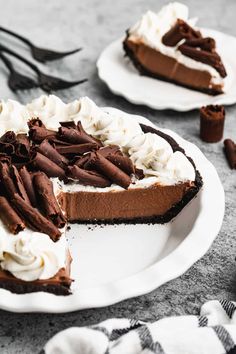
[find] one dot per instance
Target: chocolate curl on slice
(38, 134)
(76, 149)
(19, 184)
(212, 59)
(139, 173)
(9, 137)
(48, 150)
(49, 204)
(35, 122)
(110, 170)
(110, 150)
(70, 124)
(5, 158)
(181, 30)
(22, 145)
(230, 152)
(9, 217)
(82, 161)
(88, 178)
(56, 142)
(123, 162)
(42, 163)
(26, 178)
(34, 219)
(207, 43)
(87, 136)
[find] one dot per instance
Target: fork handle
(7, 62)
(18, 56)
(23, 39)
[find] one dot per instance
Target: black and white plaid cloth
(213, 332)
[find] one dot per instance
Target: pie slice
(168, 47)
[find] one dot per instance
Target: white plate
(113, 263)
(123, 79)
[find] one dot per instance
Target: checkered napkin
(213, 332)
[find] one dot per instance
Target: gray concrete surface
(93, 24)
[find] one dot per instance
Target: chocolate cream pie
(168, 46)
(75, 162)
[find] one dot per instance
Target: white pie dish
(113, 263)
(123, 79)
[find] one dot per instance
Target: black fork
(40, 54)
(16, 80)
(47, 82)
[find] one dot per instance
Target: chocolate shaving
(52, 154)
(230, 152)
(76, 149)
(34, 219)
(9, 217)
(212, 59)
(26, 178)
(181, 30)
(123, 162)
(47, 199)
(207, 43)
(22, 145)
(88, 178)
(42, 163)
(37, 134)
(110, 170)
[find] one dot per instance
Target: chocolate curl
(76, 136)
(70, 124)
(139, 173)
(76, 149)
(212, 119)
(110, 150)
(19, 184)
(207, 43)
(7, 142)
(88, 178)
(181, 30)
(35, 122)
(49, 204)
(212, 59)
(123, 162)
(5, 158)
(26, 178)
(22, 145)
(82, 161)
(34, 219)
(42, 163)
(48, 150)
(110, 170)
(37, 134)
(7, 181)
(230, 152)
(9, 217)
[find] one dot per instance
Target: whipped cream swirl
(32, 255)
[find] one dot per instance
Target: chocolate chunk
(212, 123)
(181, 30)
(35, 122)
(42, 163)
(52, 154)
(22, 145)
(207, 43)
(76, 149)
(37, 134)
(34, 219)
(88, 178)
(110, 170)
(47, 200)
(230, 152)
(123, 162)
(26, 178)
(9, 217)
(212, 59)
